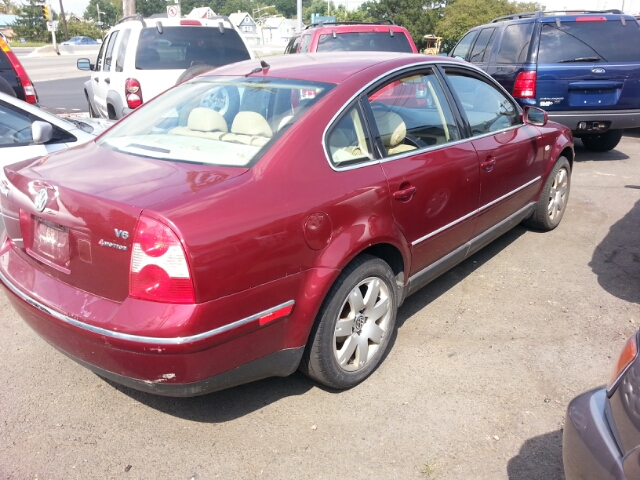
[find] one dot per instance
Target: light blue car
(80, 41)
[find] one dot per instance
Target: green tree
(7, 7)
(420, 17)
(148, 7)
(29, 24)
(85, 29)
(462, 15)
(109, 13)
(233, 6)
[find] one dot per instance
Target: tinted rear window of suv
(181, 47)
(364, 41)
(515, 43)
(608, 41)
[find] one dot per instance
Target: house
(278, 30)
(201, 12)
(247, 27)
(5, 25)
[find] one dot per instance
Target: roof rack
(323, 24)
(135, 16)
(540, 14)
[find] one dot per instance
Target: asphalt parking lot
(482, 367)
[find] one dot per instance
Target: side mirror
(535, 116)
(41, 132)
(84, 64)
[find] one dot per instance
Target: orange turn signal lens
(628, 355)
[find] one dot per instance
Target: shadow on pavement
(225, 405)
(616, 261)
(539, 457)
(584, 155)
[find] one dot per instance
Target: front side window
(109, 53)
(364, 41)
(100, 52)
(185, 46)
(411, 113)
(515, 43)
(608, 41)
(305, 43)
(464, 45)
(487, 109)
(348, 141)
(222, 121)
(293, 45)
(15, 128)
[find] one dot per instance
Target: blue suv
(582, 68)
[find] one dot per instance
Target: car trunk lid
(73, 215)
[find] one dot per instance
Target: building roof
(201, 12)
(237, 18)
(6, 20)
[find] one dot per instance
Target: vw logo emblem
(41, 200)
(598, 70)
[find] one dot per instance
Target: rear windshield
(365, 41)
(221, 121)
(608, 41)
(182, 47)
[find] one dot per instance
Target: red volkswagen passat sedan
(263, 218)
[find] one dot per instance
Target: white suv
(140, 59)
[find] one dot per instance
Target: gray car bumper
(617, 119)
(589, 451)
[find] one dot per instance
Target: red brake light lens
(525, 86)
(133, 93)
(190, 22)
(159, 270)
(23, 78)
(628, 355)
(591, 18)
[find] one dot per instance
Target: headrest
(206, 120)
(251, 123)
(392, 128)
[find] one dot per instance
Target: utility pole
(299, 6)
(128, 7)
(64, 21)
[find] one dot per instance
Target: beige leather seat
(249, 128)
(203, 123)
(393, 131)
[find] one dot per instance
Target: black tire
(602, 143)
(194, 71)
(366, 275)
(552, 204)
(5, 87)
(92, 113)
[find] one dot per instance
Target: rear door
(512, 53)
(102, 77)
(590, 63)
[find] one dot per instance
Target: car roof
(359, 27)
(330, 67)
(566, 15)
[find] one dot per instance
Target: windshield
(215, 120)
(182, 47)
(364, 41)
(604, 41)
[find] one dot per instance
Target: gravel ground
(484, 363)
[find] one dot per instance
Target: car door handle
(404, 194)
(96, 79)
(107, 80)
(488, 164)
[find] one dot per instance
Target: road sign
(52, 26)
(172, 11)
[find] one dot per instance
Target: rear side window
(182, 47)
(108, 57)
(515, 43)
(364, 41)
(304, 43)
(482, 48)
(608, 41)
(122, 48)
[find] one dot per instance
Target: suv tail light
(159, 270)
(23, 78)
(525, 86)
(133, 93)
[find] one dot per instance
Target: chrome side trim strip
(497, 200)
(138, 338)
(475, 212)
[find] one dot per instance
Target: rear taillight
(591, 18)
(23, 78)
(628, 355)
(159, 269)
(133, 93)
(525, 86)
(190, 22)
